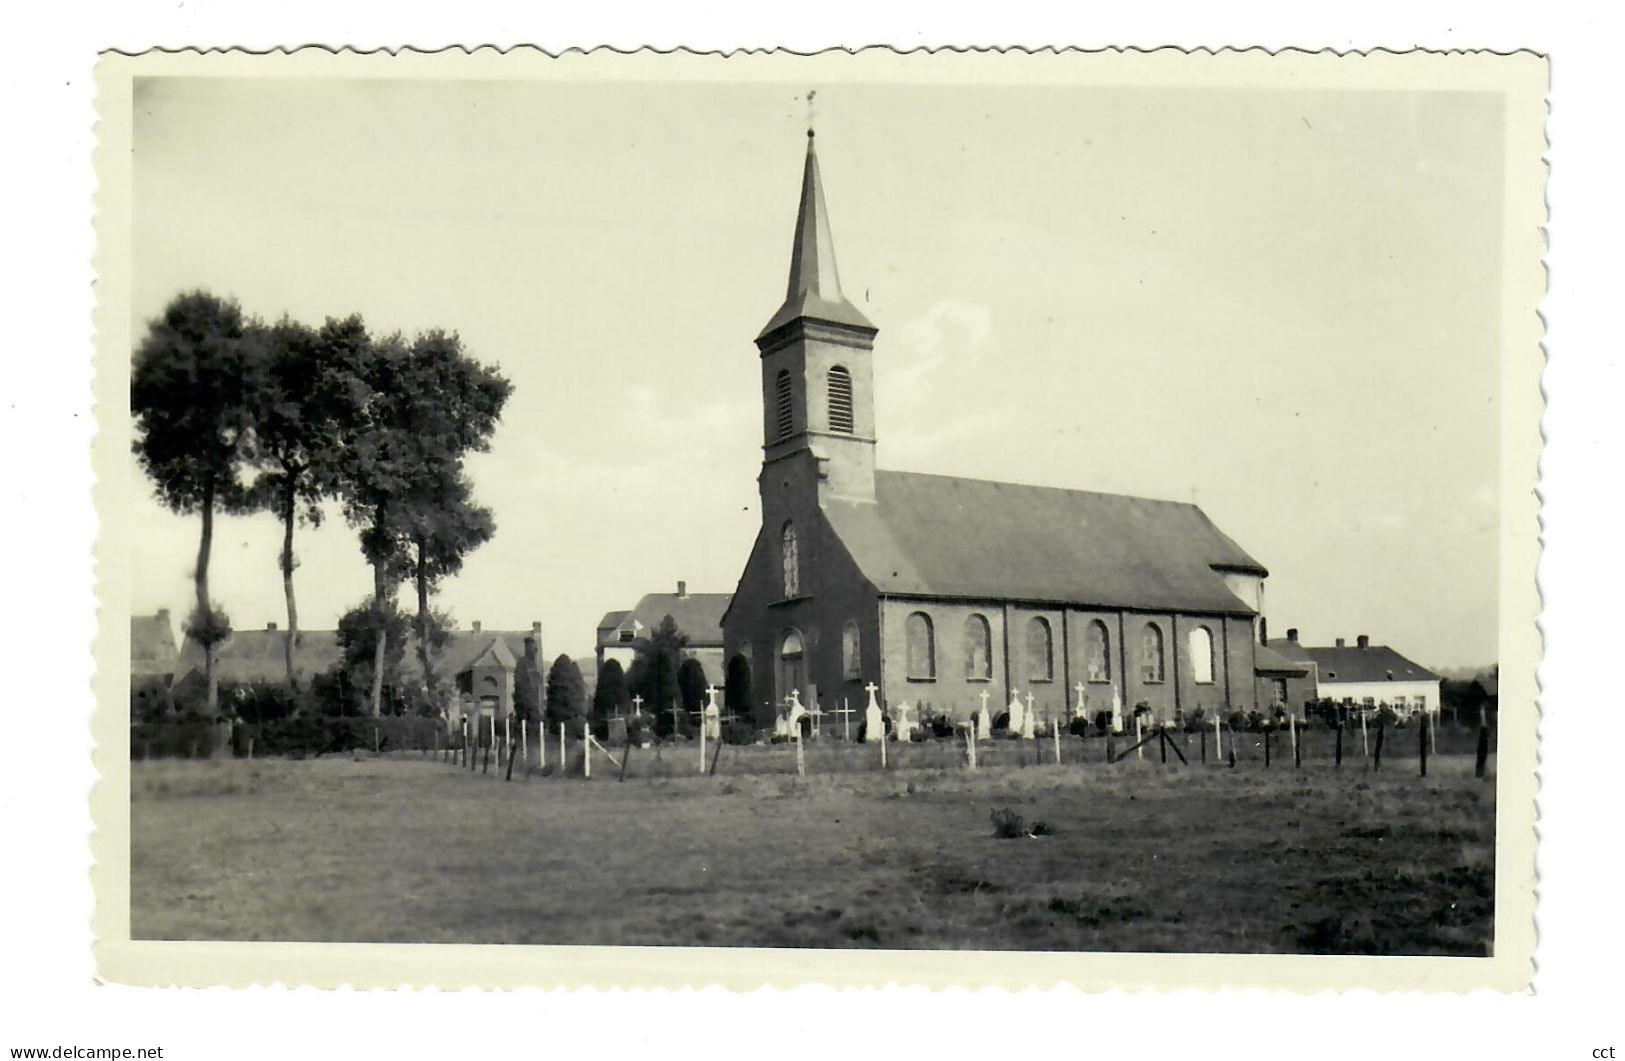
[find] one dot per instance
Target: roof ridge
(1040, 486)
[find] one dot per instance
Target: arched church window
(1151, 668)
(978, 649)
(790, 558)
(784, 405)
(791, 647)
(922, 649)
(1202, 655)
(1097, 652)
(1040, 650)
(840, 400)
(851, 654)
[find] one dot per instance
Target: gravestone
(905, 726)
(1017, 711)
(874, 727)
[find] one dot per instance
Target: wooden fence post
(1376, 756)
(970, 746)
(1337, 756)
(564, 762)
(586, 756)
(1266, 749)
(1203, 731)
(1481, 760)
(1422, 744)
(801, 756)
(1055, 728)
(1297, 754)
(1111, 749)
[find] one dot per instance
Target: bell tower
(818, 412)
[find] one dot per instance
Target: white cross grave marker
(1027, 720)
(984, 721)
(1015, 710)
(874, 727)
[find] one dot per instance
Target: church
(949, 593)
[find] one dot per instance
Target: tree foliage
(566, 691)
(364, 636)
(654, 671)
(527, 684)
(736, 693)
(611, 696)
(309, 395)
(692, 684)
(191, 387)
(428, 405)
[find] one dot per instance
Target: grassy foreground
(1142, 857)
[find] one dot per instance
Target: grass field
(1142, 857)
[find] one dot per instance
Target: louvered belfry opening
(786, 413)
(840, 400)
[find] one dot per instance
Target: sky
(1284, 306)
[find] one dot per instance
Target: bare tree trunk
(204, 614)
(421, 574)
(292, 636)
(380, 583)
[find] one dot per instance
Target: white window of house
(851, 658)
(1097, 652)
(1151, 660)
(1401, 704)
(790, 555)
(978, 649)
(922, 649)
(1202, 655)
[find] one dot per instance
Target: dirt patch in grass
(1140, 857)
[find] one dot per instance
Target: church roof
(1268, 661)
(815, 288)
(942, 536)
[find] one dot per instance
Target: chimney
(1339, 640)
(536, 631)
(475, 626)
(1292, 634)
(1363, 641)
(163, 615)
(682, 588)
(270, 628)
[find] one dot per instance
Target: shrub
(1007, 824)
(1078, 727)
(738, 732)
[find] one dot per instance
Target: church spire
(815, 287)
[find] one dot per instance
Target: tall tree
(527, 684)
(736, 694)
(566, 691)
(691, 685)
(610, 697)
(654, 671)
(190, 388)
(310, 394)
(427, 405)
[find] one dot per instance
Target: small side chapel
(948, 593)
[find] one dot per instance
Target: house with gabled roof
(697, 615)
(948, 592)
(1365, 675)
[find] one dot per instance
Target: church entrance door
(792, 667)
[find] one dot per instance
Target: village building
(948, 593)
(697, 615)
(1364, 675)
(480, 663)
(153, 657)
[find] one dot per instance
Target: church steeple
(818, 413)
(815, 285)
